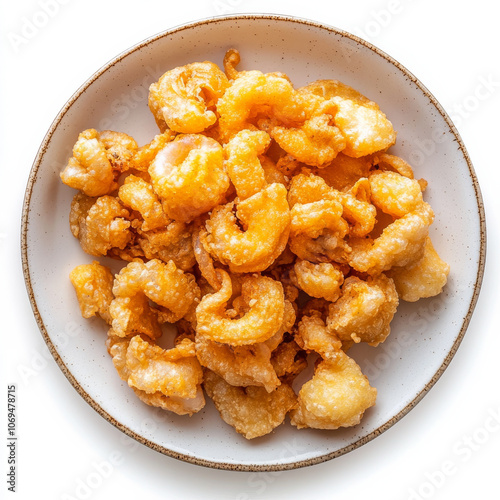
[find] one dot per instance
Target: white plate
(425, 335)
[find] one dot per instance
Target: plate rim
(67, 372)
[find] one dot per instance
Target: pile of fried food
(270, 225)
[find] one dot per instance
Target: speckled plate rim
(193, 459)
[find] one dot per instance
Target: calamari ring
(254, 95)
(189, 177)
(265, 217)
(264, 299)
(184, 98)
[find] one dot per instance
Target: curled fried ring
(265, 217)
(265, 299)
(184, 98)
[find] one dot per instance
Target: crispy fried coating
(336, 396)
(238, 365)
(263, 305)
(394, 194)
(362, 123)
(344, 171)
(172, 242)
(270, 225)
(288, 360)
(242, 162)
(146, 154)
(316, 142)
(252, 411)
(100, 224)
(254, 95)
(314, 336)
(94, 289)
(321, 280)
(138, 195)
(173, 372)
(400, 243)
(176, 404)
(189, 177)
(184, 99)
(364, 311)
(423, 278)
(97, 161)
(174, 292)
(265, 218)
(89, 169)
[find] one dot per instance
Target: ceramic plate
(425, 335)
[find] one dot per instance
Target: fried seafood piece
(314, 336)
(176, 404)
(365, 310)
(265, 218)
(261, 310)
(248, 364)
(252, 411)
(172, 242)
(343, 171)
(98, 159)
(365, 127)
(337, 395)
(423, 278)
(356, 208)
(254, 95)
(174, 292)
(172, 371)
(184, 99)
(189, 176)
(394, 194)
(321, 280)
(317, 231)
(239, 365)
(301, 123)
(138, 195)
(131, 315)
(146, 154)
(400, 243)
(288, 360)
(316, 141)
(100, 224)
(93, 284)
(243, 164)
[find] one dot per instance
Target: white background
(448, 447)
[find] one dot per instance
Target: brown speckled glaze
(270, 43)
